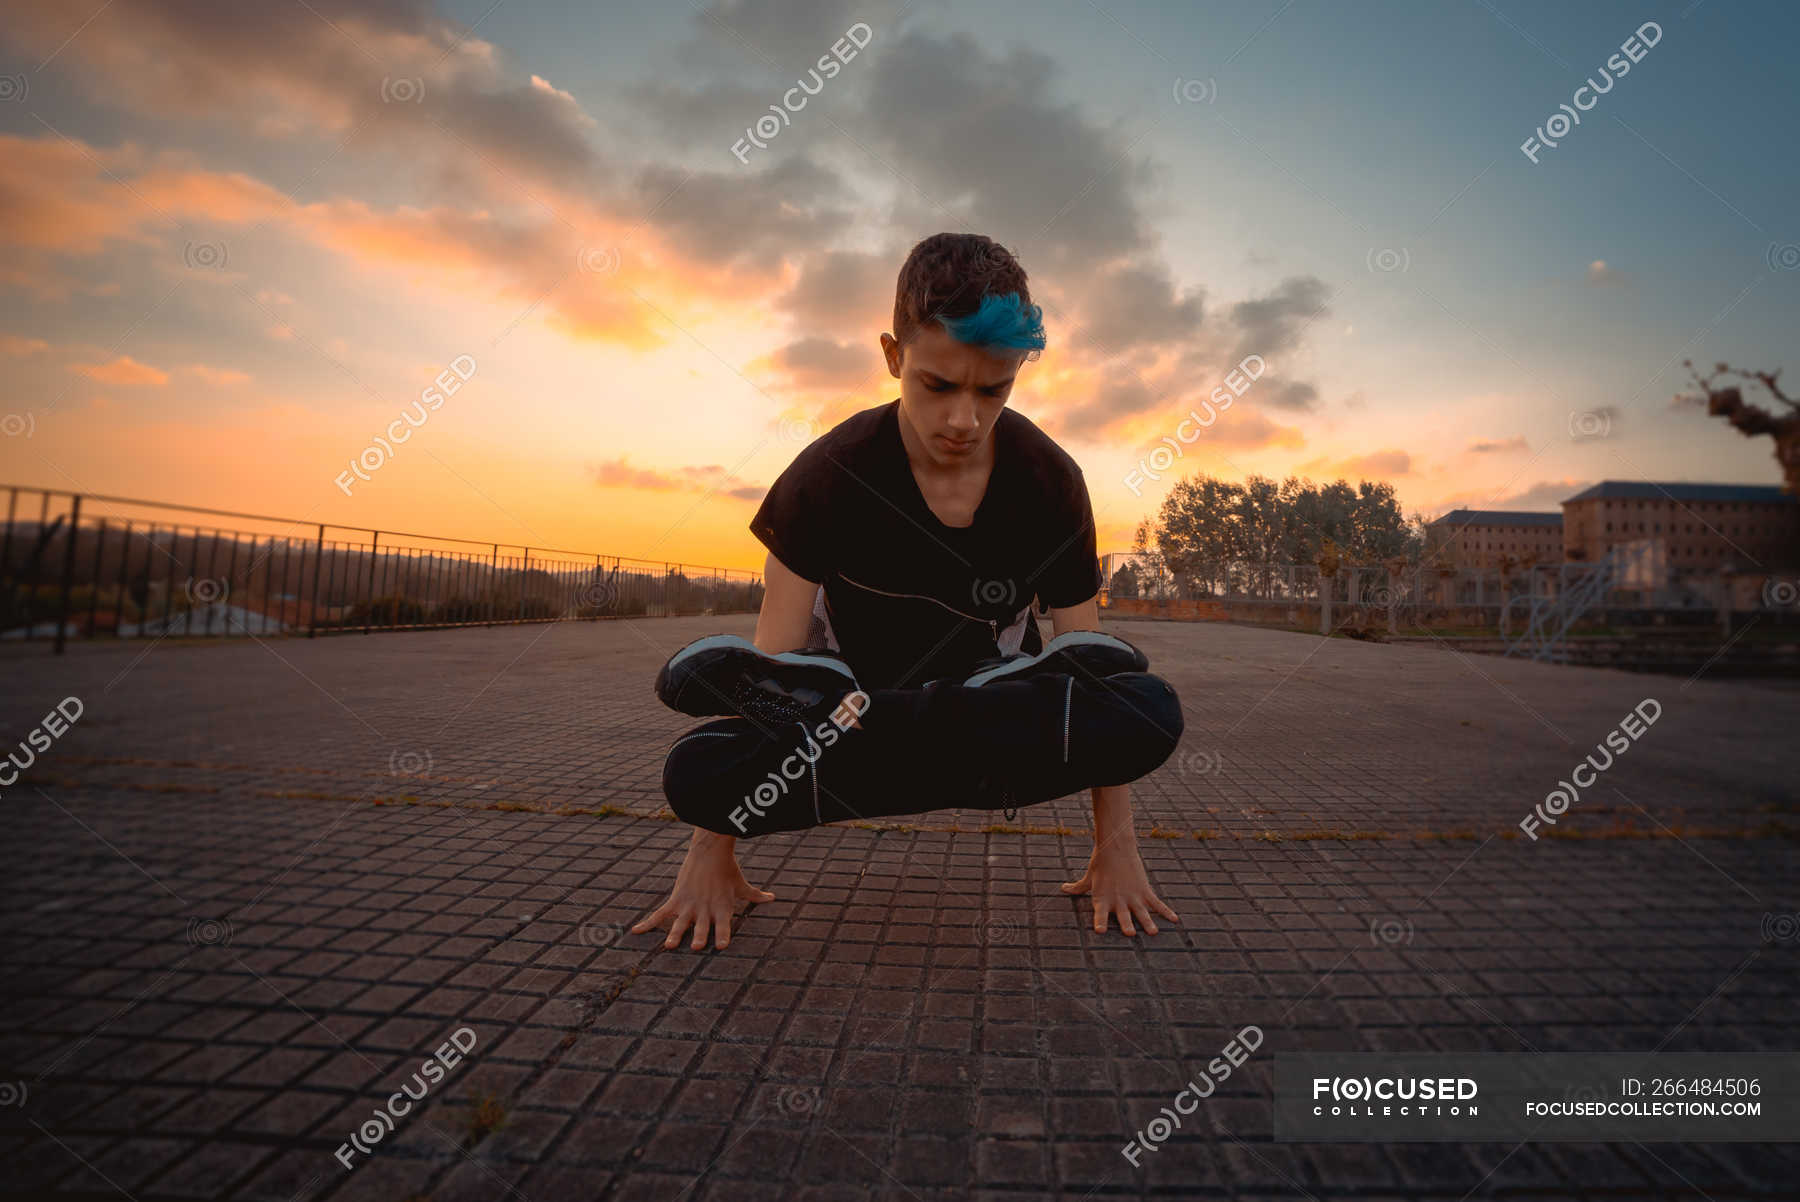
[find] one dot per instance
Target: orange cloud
(124, 371)
(619, 473)
(1241, 430)
(61, 197)
(219, 375)
(1545, 495)
(585, 287)
(55, 196)
(12, 344)
(1377, 465)
(233, 197)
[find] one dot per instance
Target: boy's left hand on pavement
(1116, 878)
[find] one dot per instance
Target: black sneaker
(725, 674)
(1086, 653)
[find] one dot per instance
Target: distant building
(1693, 528)
(1477, 539)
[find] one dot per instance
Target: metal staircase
(1560, 594)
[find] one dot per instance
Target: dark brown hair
(946, 275)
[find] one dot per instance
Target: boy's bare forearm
(1112, 814)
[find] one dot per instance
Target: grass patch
(487, 1114)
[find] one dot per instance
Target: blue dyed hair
(1001, 323)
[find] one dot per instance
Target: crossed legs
(1003, 744)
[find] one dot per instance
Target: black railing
(84, 566)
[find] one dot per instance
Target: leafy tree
(1208, 528)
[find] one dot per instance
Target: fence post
(524, 577)
(312, 610)
(12, 505)
(492, 606)
(94, 576)
(374, 555)
(68, 572)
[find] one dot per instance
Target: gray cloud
(988, 139)
(1544, 496)
(1076, 217)
(1274, 323)
(1294, 395)
(751, 218)
(1125, 396)
(841, 287)
(1135, 306)
(957, 134)
(706, 119)
(319, 69)
(785, 39)
(823, 363)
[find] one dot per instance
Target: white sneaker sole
(715, 642)
(1070, 638)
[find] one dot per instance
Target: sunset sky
(241, 239)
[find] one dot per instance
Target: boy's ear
(890, 347)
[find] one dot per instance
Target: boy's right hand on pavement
(706, 894)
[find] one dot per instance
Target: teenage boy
(897, 665)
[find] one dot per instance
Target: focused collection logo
(1394, 1097)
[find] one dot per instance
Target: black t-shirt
(904, 598)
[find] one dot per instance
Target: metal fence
(1136, 577)
(86, 566)
(1421, 594)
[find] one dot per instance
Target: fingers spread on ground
(702, 922)
(1125, 920)
(676, 925)
(1143, 915)
(722, 928)
(1162, 908)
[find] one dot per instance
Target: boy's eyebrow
(933, 376)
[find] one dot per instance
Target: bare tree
(1752, 420)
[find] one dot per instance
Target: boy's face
(951, 393)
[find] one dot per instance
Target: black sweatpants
(1004, 744)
